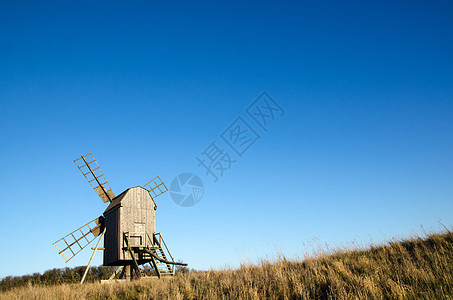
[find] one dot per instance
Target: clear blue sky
(363, 151)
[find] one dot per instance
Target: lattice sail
(92, 172)
(155, 187)
(71, 244)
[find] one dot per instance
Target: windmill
(128, 226)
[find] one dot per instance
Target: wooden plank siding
(135, 211)
(112, 236)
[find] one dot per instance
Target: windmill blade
(155, 187)
(92, 172)
(71, 244)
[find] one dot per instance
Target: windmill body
(128, 225)
(131, 215)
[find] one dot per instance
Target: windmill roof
(117, 200)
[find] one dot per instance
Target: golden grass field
(417, 268)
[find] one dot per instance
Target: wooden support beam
(120, 268)
(91, 259)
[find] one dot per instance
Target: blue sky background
(363, 152)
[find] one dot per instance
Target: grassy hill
(414, 268)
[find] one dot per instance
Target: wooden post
(91, 259)
(128, 272)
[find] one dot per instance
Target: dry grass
(416, 268)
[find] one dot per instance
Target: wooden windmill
(128, 227)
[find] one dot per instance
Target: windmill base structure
(128, 227)
(155, 253)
